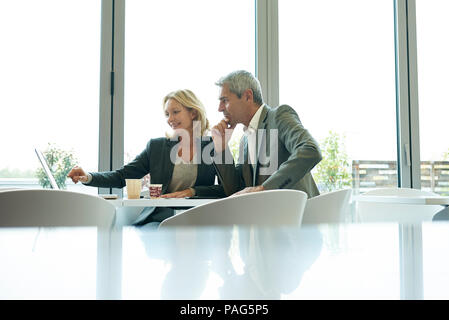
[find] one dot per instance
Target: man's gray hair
(240, 80)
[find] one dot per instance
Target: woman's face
(178, 116)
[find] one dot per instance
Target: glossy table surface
(345, 261)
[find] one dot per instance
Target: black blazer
(155, 160)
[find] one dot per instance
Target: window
(337, 70)
(433, 67)
(179, 44)
(49, 85)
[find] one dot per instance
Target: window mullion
(267, 49)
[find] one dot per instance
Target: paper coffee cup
(155, 190)
(133, 188)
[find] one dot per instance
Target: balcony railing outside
(33, 183)
(366, 175)
(371, 174)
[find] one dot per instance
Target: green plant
(60, 163)
(445, 156)
(334, 171)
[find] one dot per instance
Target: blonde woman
(175, 161)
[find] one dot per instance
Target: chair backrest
(394, 212)
(8, 189)
(51, 208)
(265, 208)
(328, 207)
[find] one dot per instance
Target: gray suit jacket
(286, 153)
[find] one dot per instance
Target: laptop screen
(47, 171)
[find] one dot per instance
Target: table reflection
(246, 263)
(342, 261)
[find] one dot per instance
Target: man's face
(231, 106)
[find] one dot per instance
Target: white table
(127, 210)
(347, 261)
(406, 210)
(162, 202)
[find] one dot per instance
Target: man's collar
(254, 123)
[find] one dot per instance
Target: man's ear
(248, 94)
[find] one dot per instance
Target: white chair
(329, 207)
(367, 211)
(265, 208)
(8, 189)
(53, 208)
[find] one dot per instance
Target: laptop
(46, 168)
(53, 183)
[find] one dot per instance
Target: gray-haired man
(278, 152)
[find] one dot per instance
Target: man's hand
(248, 190)
(221, 134)
(77, 174)
(179, 194)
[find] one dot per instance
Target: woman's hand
(178, 194)
(77, 174)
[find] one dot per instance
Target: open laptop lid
(47, 171)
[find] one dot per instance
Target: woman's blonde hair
(190, 101)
